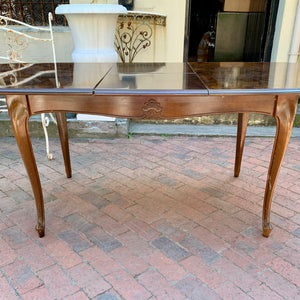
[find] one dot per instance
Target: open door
(230, 30)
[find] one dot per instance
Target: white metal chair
(16, 39)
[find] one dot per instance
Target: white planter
(93, 30)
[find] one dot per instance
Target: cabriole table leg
(64, 141)
(240, 141)
(19, 114)
(284, 114)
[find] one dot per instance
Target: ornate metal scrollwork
(134, 33)
(15, 40)
(13, 79)
(33, 12)
(3, 22)
(16, 43)
(131, 37)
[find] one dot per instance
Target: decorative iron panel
(134, 33)
(34, 12)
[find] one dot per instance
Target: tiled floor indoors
(150, 218)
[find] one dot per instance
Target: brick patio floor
(150, 218)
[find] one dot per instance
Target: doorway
(231, 33)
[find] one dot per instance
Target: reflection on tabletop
(152, 76)
(241, 75)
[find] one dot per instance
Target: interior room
(231, 30)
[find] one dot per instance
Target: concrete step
(202, 130)
(209, 126)
(77, 129)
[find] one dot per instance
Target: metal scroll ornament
(133, 34)
(16, 43)
(19, 10)
(33, 12)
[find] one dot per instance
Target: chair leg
(45, 123)
(64, 141)
(240, 141)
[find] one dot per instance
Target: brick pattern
(150, 218)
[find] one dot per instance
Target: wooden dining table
(153, 91)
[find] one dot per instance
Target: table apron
(152, 106)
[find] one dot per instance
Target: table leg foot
(267, 228)
(40, 230)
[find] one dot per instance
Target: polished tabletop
(188, 78)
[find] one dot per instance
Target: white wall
(173, 37)
(284, 30)
(168, 41)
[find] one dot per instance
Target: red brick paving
(21, 276)
(150, 218)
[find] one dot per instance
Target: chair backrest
(16, 39)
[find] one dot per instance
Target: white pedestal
(93, 29)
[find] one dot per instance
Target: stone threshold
(218, 125)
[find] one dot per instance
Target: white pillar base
(84, 117)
